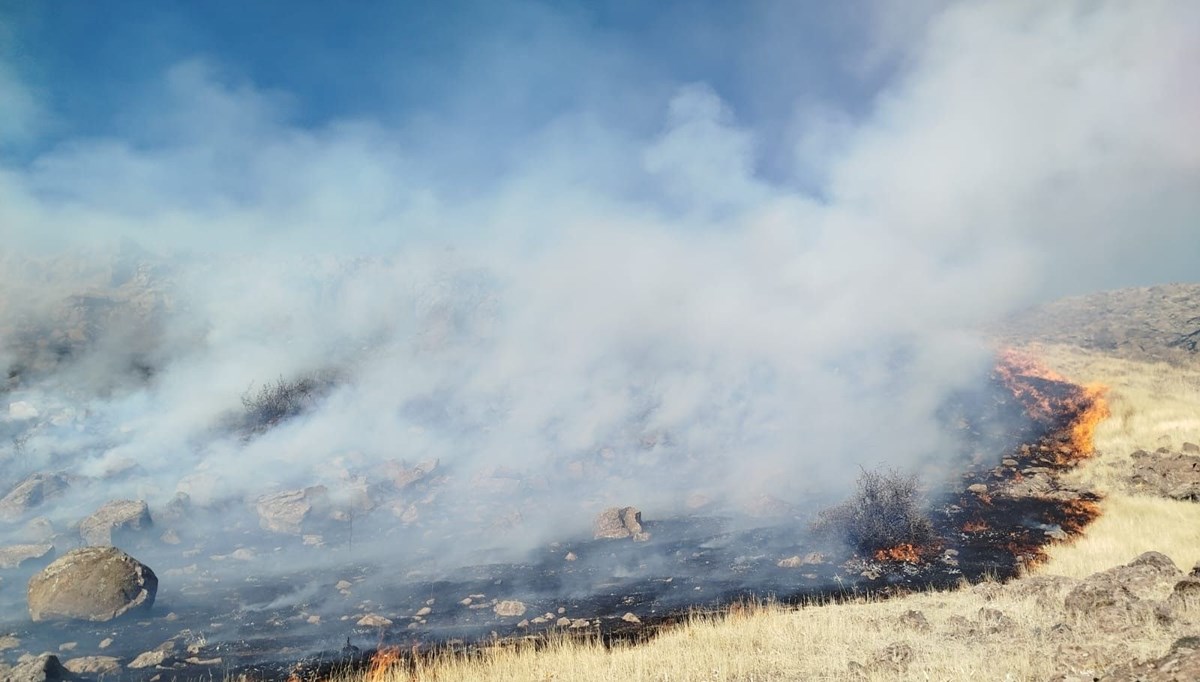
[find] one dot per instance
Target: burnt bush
(279, 401)
(884, 512)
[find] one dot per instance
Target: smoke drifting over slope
(654, 299)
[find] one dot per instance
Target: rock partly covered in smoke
(91, 583)
(93, 665)
(402, 475)
(287, 512)
(115, 518)
(15, 555)
(616, 523)
(30, 493)
(42, 668)
(509, 608)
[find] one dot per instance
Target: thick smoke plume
(709, 306)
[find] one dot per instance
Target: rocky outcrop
(117, 518)
(1180, 664)
(1167, 474)
(30, 493)
(92, 583)
(616, 523)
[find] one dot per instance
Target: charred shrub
(884, 512)
(279, 401)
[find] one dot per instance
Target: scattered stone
(914, 620)
(106, 642)
(343, 585)
(68, 646)
(9, 642)
(579, 623)
(563, 622)
(372, 620)
(22, 410)
(29, 493)
(616, 523)
(403, 476)
(154, 657)
(977, 488)
(796, 561)
(16, 555)
(423, 611)
(570, 556)
(509, 608)
(116, 517)
(170, 537)
(91, 583)
(93, 665)
(523, 623)
(631, 618)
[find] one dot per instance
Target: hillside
(1099, 608)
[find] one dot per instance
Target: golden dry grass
(964, 639)
(1153, 405)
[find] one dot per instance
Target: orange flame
(904, 552)
(382, 664)
(1085, 406)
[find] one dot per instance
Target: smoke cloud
(727, 295)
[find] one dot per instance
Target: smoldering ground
(697, 304)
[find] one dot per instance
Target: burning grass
(1054, 400)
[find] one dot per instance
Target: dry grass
(1153, 405)
(964, 639)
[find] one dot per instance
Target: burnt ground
(991, 519)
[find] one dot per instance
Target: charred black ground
(1018, 433)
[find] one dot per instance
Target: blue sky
(492, 70)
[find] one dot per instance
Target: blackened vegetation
(276, 402)
(884, 512)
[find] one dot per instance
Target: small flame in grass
(382, 664)
(975, 526)
(1048, 396)
(903, 552)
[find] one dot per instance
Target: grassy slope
(1153, 405)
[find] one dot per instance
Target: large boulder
(118, 517)
(1167, 474)
(91, 583)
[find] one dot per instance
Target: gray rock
(116, 517)
(30, 493)
(92, 583)
(13, 556)
(287, 512)
(42, 668)
(93, 665)
(616, 523)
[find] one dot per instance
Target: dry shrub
(279, 401)
(885, 511)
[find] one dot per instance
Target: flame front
(382, 664)
(1049, 397)
(906, 553)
